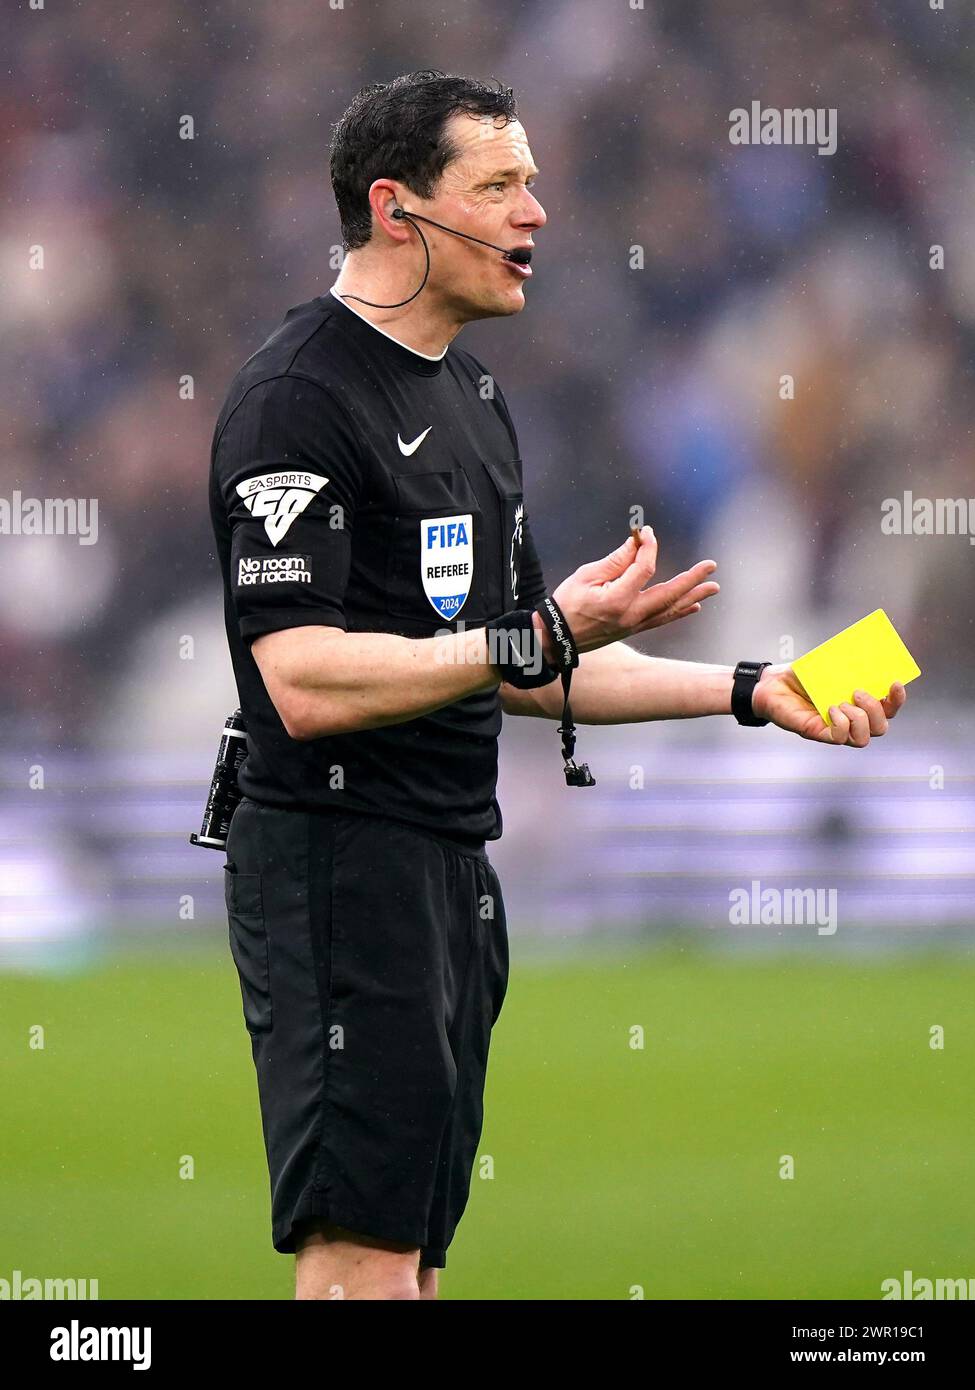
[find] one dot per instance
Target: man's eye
(496, 185)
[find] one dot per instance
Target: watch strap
(747, 676)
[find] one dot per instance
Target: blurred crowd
(678, 280)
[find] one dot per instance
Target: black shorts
(373, 962)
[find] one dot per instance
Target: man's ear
(383, 198)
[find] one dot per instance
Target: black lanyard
(567, 659)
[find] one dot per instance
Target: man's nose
(531, 213)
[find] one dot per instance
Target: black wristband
(515, 649)
(747, 675)
(566, 651)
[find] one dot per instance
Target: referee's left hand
(780, 698)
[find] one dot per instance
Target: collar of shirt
(419, 362)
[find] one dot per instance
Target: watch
(747, 675)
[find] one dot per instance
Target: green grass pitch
(612, 1167)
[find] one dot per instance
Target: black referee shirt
(361, 485)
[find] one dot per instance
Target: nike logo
(408, 449)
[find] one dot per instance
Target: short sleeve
(289, 472)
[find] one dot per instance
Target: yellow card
(867, 656)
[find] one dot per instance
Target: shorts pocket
(248, 945)
(494, 939)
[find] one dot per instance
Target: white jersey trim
(425, 355)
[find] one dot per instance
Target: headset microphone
(520, 255)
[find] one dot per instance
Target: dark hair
(395, 130)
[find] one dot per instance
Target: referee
(384, 604)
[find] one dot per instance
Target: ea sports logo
(279, 498)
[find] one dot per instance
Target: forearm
(617, 685)
(325, 681)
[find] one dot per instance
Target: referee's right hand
(608, 599)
